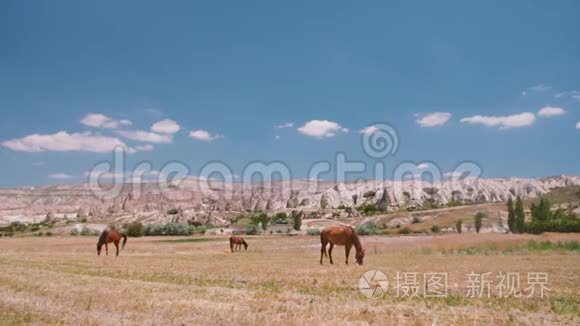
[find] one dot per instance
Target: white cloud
(561, 94)
(98, 120)
(276, 137)
(550, 111)
(154, 111)
(60, 176)
(144, 148)
(434, 119)
(573, 94)
(369, 130)
(136, 176)
(166, 126)
(285, 125)
(62, 141)
(321, 128)
(204, 135)
(454, 174)
(503, 122)
(540, 88)
(95, 120)
(106, 174)
(146, 136)
(578, 125)
(423, 166)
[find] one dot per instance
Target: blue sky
(231, 71)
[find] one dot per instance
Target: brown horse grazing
(108, 237)
(341, 236)
(238, 242)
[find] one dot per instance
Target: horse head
(102, 241)
(360, 255)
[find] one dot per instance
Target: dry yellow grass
(277, 281)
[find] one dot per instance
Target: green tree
(405, 230)
(173, 211)
(134, 229)
(511, 216)
(17, 227)
(436, 228)
(261, 218)
(478, 220)
(252, 229)
(459, 226)
(313, 231)
(296, 221)
(542, 212)
(520, 215)
(280, 218)
(369, 228)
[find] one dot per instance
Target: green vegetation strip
(185, 240)
(570, 246)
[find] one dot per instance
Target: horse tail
(245, 244)
(124, 240)
(323, 243)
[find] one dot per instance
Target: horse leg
(330, 253)
(107, 248)
(347, 248)
(231, 246)
(322, 250)
(117, 246)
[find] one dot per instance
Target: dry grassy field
(194, 280)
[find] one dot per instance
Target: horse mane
(103, 237)
(356, 240)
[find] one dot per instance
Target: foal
(341, 236)
(238, 242)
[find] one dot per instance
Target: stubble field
(195, 280)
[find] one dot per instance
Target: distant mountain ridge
(153, 200)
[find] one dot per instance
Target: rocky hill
(196, 198)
